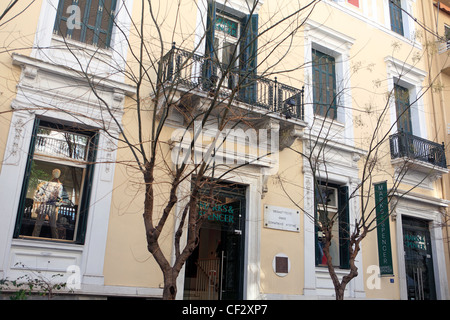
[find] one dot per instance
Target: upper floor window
(231, 47)
(396, 15)
(447, 36)
(324, 84)
(87, 21)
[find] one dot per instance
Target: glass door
(215, 269)
(226, 38)
(418, 260)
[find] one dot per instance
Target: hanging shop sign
(281, 218)
(383, 229)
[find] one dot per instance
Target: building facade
(323, 103)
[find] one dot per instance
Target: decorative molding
(32, 65)
(15, 150)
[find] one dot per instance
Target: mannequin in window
(48, 197)
(321, 243)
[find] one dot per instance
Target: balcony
(199, 75)
(443, 58)
(405, 145)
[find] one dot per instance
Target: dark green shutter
(396, 16)
(324, 84)
(98, 10)
(316, 227)
(344, 227)
(248, 58)
(26, 179)
(403, 109)
(209, 49)
(87, 190)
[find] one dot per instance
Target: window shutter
(209, 49)
(248, 59)
(95, 25)
(324, 84)
(396, 16)
(86, 197)
(316, 228)
(403, 109)
(344, 227)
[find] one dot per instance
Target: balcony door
(231, 51)
(226, 48)
(403, 109)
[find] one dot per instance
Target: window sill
(323, 270)
(328, 121)
(77, 45)
(46, 244)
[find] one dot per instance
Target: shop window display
(56, 186)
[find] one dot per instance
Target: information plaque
(281, 218)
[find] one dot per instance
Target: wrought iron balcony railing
(194, 71)
(406, 145)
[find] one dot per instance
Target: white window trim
(58, 256)
(317, 281)
(409, 29)
(411, 78)
(106, 62)
(241, 6)
(379, 19)
(336, 44)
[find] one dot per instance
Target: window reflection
(55, 184)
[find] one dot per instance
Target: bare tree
(379, 146)
(172, 76)
(174, 178)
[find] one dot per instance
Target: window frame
(84, 203)
(327, 108)
(247, 44)
(396, 17)
(97, 30)
(411, 78)
(403, 108)
(343, 218)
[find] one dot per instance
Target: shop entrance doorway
(215, 269)
(418, 260)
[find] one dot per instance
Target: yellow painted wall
(127, 261)
(373, 42)
(17, 31)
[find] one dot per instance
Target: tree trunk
(170, 285)
(340, 293)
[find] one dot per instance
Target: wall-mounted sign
(383, 230)
(281, 264)
(281, 218)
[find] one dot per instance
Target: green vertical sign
(383, 230)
